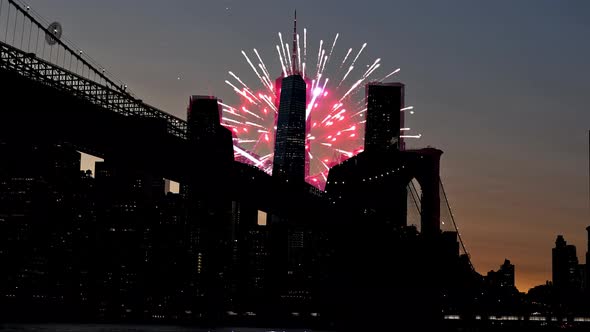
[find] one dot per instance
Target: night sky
(501, 87)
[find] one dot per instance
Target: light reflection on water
(131, 328)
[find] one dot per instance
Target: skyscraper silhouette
(384, 119)
(565, 265)
(289, 158)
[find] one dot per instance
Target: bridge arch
(378, 183)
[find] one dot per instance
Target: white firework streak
(305, 44)
(325, 61)
(348, 153)
(255, 124)
(285, 54)
(247, 89)
(346, 57)
(360, 112)
(251, 113)
(252, 66)
(313, 100)
(359, 53)
(303, 70)
(264, 70)
(233, 113)
(388, 75)
(282, 63)
(247, 155)
(333, 45)
(262, 64)
(369, 71)
(346, 75)
(320, 53)
(239, 91)
(231, 120)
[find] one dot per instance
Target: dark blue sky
(501, 87)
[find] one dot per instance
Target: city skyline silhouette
(504, 102)
(494, 85)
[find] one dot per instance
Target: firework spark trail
(304, 44)
(360, 112)
(252, 66)
(372, 70)
(268, 84)
(240, 91)
(345, 75)
(233, 114)
(255, 124)
(246, 88)
(315, 94)
(346, 57)
(352, 88)
(333, 45)
(247, 155)
(231, 120)
(320, 60)
(269, 103)
(264, 70)
(348, 153)
(233, 109)
(282, 63)
(266, 78)
(283, 47)
(388, 75)
(253, 114)
(359, 54)
(320, 53)
(369, 71)
(325, 61)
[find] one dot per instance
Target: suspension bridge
(30, 49)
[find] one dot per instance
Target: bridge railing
(34, 68)
(29, 48)
(22, 28)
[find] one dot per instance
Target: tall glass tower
(289, 157)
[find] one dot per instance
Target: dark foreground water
(133, 328)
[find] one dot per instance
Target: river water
(132, 328)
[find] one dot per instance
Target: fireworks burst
(335, 107)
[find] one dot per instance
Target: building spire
(294, 60)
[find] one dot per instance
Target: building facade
(289, 157)
(384, 116)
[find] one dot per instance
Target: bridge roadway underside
(33, 112)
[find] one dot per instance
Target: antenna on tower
(294, 55)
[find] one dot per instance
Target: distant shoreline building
(565, 269)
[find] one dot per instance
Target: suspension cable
(455, 225)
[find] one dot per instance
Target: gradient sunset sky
(502, 87)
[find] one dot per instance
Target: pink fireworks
(335, 107)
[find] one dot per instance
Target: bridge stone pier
(378, 181)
